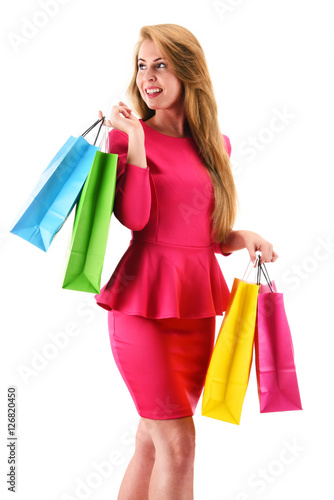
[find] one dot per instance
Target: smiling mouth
(153, 91)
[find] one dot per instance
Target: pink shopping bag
(274, 354)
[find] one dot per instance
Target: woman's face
(157, 74)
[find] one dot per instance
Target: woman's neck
(169, 122)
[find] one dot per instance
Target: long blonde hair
(187, 59)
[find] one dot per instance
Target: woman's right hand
(126, 123)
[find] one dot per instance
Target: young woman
(176, 193)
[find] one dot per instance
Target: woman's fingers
(125, 107)
(271, 256)
(100, 116)
(122, 118)
(274, 257)
(268, 254)
(123, 104)
(121, 109)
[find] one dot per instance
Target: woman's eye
(140, 65)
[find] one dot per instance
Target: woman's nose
(150, 75)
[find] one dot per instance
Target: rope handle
(94, 125)
(260, 268)
(263, 269)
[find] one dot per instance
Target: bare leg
(173, 471)
(135, 483)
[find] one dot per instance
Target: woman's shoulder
(227, 144)
(118, 138)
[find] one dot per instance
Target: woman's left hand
(254, 242)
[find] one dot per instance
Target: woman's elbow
(133, 219)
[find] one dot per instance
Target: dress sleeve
(227, 144)
(217, 249)
(216, 246)
(132, 204)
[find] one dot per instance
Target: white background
(73, 410)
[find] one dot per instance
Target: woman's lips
(155, 94)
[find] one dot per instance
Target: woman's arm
(217, 247)
(238, 240)
(235, 242)
(136, 148)
(132, 204)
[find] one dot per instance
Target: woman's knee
(174, 438)
(144, 443)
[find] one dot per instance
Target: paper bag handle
(94, 125)
(105, 141)
(262, 268)
(250, 262)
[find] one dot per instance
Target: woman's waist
(176, 245)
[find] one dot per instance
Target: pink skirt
(163, 362)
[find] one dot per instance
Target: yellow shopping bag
(229, 369)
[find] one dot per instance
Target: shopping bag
(274, 353)
(86, 251)
(56, 192)
(230, 364)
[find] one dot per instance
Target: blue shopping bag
(57, 191)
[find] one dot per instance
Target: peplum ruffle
(162, 280)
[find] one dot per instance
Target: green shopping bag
(85, 254)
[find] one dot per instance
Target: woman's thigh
(163, 362)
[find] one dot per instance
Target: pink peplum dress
(168, 287)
